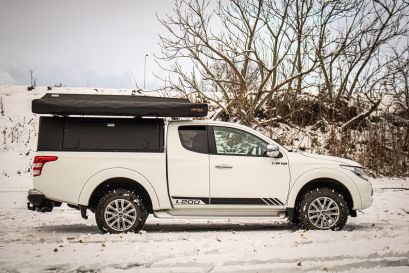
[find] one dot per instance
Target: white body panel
(306, 167)
(252, 177)
(75, 175)
(188, 172)
(249, 176)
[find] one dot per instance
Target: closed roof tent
(117, 105)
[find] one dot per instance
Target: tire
(332, 214)
(120, 211)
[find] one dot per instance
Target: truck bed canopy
(117, 105)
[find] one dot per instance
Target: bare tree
(398, 83)
(354, 57)
(319, 63)
(240, 64)
(240, 55)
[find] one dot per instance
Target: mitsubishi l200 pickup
(124, 168)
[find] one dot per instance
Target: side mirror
(273, 151)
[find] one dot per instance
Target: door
(188, 165)
(241, 174)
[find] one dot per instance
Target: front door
(242, 175)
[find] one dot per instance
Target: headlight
(358, 171)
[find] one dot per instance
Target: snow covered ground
(61, 241)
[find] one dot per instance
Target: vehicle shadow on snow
(366, 226)
(240, 227)
(177, 227)
(73, 228)
(204, 227)
(158, 227)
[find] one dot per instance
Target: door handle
(223, 166)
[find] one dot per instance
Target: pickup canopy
(117, 105)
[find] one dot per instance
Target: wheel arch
(119, 183)
(118, 178)
(325, 178)
(329, 183)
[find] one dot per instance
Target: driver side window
(231, 141)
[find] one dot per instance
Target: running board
(162, 215)
(200, 213)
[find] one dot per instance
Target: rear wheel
(120, 211)
(323, 208)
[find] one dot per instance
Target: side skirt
(218, 213)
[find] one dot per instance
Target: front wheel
(323, 208)
(120, 211)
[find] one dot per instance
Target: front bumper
(366, 192)
(38, 202)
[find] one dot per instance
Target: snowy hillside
(18, 126)
(18, 130)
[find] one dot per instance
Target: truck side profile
(123, 169)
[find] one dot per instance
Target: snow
(61, 241)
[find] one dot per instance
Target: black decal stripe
(272, 201)
(237, 201)
(278, 201)
(234, 201)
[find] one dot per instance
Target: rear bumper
(35, 197)
(38, 202)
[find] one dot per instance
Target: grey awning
(117, 105)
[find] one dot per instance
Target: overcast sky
(95, 43)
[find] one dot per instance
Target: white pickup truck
(124, 169)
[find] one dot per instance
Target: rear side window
(194, 138)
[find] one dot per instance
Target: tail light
(39, 162)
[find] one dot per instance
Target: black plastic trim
(83, 211)
(36, 199)
(38, 202)
(290, 214)
(212, 142)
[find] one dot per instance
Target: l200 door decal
(190, 201)
(177, 200)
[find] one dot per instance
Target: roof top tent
(117, 105)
